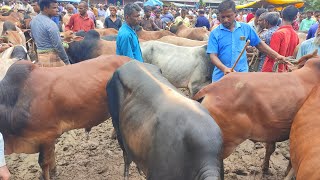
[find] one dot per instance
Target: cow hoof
(53, 171)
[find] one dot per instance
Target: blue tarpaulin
(153, 3)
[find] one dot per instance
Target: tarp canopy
(73, 1)
(153, 3)
(183, 5)
(276, 3)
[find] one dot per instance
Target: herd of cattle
(167, 135)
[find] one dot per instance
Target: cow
(184, 67)
(179, 41)
(90, 47)
(13, 34)
(152, 35)
(200, 34)
(304, 139)
(10, 56)
(39, 104)
(166, 134)
(259, 106)
(107, 31)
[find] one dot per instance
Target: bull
(184, 67)
(259, 106)
(40, 104)
(166, 134)
(304, 139)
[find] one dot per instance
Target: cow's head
(175, 27)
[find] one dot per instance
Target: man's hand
(4, 173)
(283, 59)
(227, 70)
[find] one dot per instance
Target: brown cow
(107, 31)
(200, 34)
(180, 41)
(152, 35)
(304, 139)
(39, 104)
(259, 106)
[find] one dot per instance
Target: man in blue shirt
(310, 45)
(229, 38)
(46, 35)
(202, 20)
(127, 40)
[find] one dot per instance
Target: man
(228, 39)
(167, 16)
(254, 23)
(314, 27)
(27, 7)
(308, 46)
(250, 16)
(127, 43)
(67, 16)
(267, 21)
(46, 35)
(4, 172)
(284, 40)
(202, 21)
(5, 7)
(36, 7)
(147, 23)
(183, 18)
(94, 10)
(270, 8)
(113, 21)
(307, 23)
(101, 11)
(80, 21)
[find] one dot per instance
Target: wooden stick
(244, 48)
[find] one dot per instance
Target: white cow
(184, 67)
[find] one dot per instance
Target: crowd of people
(272, 33)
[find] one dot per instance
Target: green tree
(312, 5)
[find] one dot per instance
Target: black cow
(166, 134)
(90, 47)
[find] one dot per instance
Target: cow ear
(77, 38)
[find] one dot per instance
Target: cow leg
(127, 162)
(270, 148)
(47, 159)
(289, 168)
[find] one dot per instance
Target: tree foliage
(312, 5)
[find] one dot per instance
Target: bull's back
(74, 93)
(176, 140)
(304, 139)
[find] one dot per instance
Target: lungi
(49, 59)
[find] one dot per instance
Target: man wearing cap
(46, 35)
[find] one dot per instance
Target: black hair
(289, 13)
(272, 18)
(226, 5)
(130, 8)
(46, 4)
(260, 11)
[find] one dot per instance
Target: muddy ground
(100, 157)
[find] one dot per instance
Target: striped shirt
(46, 35)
